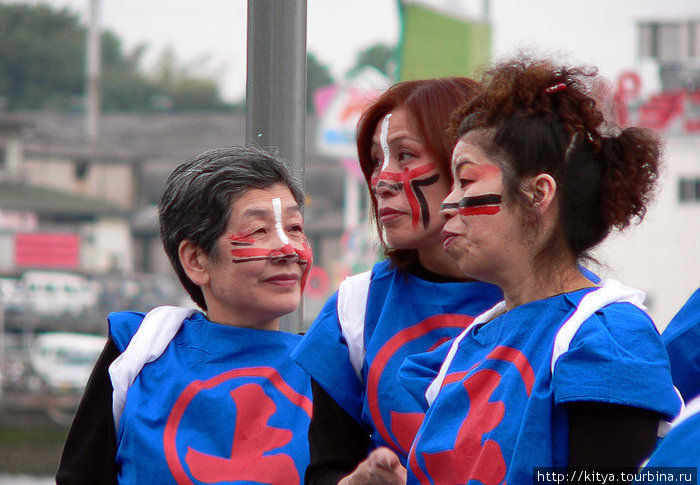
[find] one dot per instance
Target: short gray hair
(196, 202)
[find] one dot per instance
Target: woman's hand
(381, 467)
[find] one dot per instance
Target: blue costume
(215, 404)
(682, 340)
(681, 446)
(365, 331)
(496, 401)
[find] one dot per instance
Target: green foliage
(42, 66)
(41, 52)
(379, 56)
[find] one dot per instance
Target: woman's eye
(259, 232)
(403, 155)
(296, 228)
(464, 182)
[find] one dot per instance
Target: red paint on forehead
(479, 172)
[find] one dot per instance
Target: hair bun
(631, 162)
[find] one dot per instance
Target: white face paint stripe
(383, 141)
(277, 209)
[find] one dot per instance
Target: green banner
(436, 42)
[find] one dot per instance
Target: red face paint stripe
(423, 203)
(407, 180)
(241, 239)
(306, 255)
(250, 253)
(286, 250)
(413, 173)
(479, 211)
(478, 200)
(487, 204)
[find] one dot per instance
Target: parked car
(63, 361)
(52, 293)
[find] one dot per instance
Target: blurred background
(78, 193)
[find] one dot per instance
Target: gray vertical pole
(276, 87)
(93, 74)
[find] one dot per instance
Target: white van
(52, 293)
(64, 360)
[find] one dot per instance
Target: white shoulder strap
(352, 306)
(487, 316)
(157, 329)
(610, 291)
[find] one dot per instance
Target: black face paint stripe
(415, 184)
(486, 199)
(449, 205)
(397, 186)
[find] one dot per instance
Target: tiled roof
(49, 202)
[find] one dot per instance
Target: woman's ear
(542, 189)
(194, 261)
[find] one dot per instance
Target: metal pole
(93, 74)
(3, 346)
(276, 87)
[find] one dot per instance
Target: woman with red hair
(407, 304)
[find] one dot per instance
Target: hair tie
(555, 88)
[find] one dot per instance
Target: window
(689, 189)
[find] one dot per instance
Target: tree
(41, 56)
(187, 91)
(317, 76)
(42, 66)
(379, 56)
(124, 87)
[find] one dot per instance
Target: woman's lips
(388, 214)
(448, 238)
(284, 279)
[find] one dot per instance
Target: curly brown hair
(537, 118)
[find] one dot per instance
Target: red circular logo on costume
(404, 426)
(253, 456)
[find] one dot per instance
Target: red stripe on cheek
(479, 211)
(250, 252)
(237, 238)
(305, 255)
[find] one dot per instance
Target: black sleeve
(604, 435)
(89, 454)
(337, 443)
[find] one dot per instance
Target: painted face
(481, 232)
(259, 266)
(407, 183)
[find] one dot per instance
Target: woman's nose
(386, 188)
(449, 206)
(284, 254)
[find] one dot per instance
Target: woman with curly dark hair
(564, 372)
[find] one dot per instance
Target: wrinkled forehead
(265, 203)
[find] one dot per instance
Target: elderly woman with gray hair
(187, 396)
